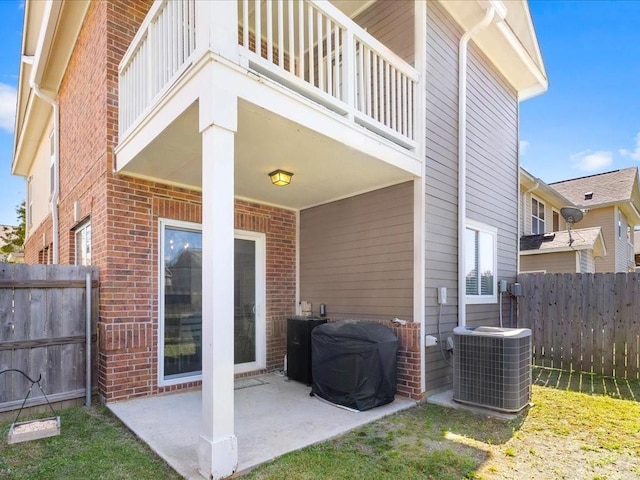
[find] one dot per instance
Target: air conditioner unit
(492, 367)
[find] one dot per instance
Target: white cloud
(634, 154)
(7, 107)
(524, 146)
(589, 161)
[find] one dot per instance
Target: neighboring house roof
(579, 239)
(604, 189)
(538, 187)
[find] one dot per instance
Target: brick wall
(36, 248)
(128, 328)
(125, 213)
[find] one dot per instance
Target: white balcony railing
(306, 45)
(158, 54)
(316, 49)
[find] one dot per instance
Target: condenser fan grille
(492, 367)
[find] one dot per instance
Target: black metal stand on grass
(33, 429)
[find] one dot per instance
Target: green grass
(431, 442)
(574, 430)
(92, 445)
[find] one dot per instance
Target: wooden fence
(584, 322)
(43, 331)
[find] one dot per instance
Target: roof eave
(502, 45)
(57, 24)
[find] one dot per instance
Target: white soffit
(324, 169)
(511, 45)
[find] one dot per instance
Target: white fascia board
(556, 250)
(45, 39)
(542, 84)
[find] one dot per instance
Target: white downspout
(56, 168)
(51, 11)
(462, 158)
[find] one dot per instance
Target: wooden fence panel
(548, 315)
(633, 346)
(584, 322)
(43, 331)
(598, 322)
(619, 324)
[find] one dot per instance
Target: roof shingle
(605, 188)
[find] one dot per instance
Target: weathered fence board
(43, 330)
(584, 322)
(633, 348)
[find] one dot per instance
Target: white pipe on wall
(462, 158)
(56, 168)
(49, 18)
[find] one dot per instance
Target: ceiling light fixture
(280, 177)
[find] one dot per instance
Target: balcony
(309, 47)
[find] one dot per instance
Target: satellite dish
(571, 214)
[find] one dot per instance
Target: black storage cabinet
(355, 364)
(299, 347)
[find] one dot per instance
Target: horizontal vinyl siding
(40, 173)
(356, 255)
(560, 262)
(391, 22)
(622, 250)
(492, 170)
(605, 218)
(441, 185)
(492, 177)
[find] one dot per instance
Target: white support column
(218, 448)
(217, 28)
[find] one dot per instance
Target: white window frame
(261, 324)
(187, 377)
(555, 212)
(82, 228)
(538, 220)
(488, 229)
(261, 302)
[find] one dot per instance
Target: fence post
(87, 400)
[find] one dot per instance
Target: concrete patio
(273, 416)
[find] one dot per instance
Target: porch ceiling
(324, 169)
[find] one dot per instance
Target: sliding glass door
(180, 349)
(249, 281)
(181, 300)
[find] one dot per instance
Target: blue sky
(11, 188)
(588, 121)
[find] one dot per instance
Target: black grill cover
(354, 364)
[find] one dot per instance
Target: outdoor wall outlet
(430, 341)
(502, 286)
(442, 295)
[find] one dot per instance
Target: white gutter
(532, 189)
(462, 153)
